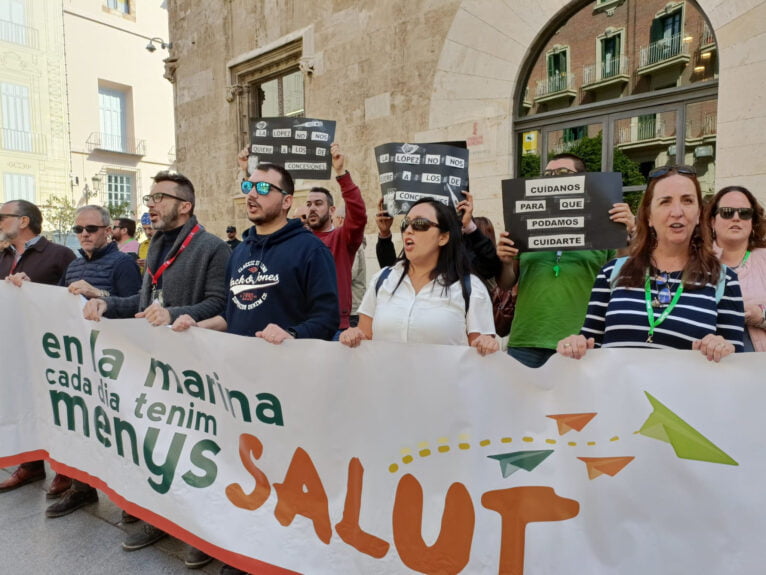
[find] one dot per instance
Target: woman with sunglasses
(429, 295)
(739, 230)
(671, 292)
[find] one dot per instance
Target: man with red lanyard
(185, 271)
(28, 257)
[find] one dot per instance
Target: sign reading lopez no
(563, 213)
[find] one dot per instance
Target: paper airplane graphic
(687, 442)
(568, 421)
(605, 465)
(510, 463)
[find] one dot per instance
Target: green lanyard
(650, 310)
(742, 263)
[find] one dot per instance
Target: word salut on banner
(312, 457)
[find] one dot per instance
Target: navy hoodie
(286, 278)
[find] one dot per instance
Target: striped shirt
(617, 315)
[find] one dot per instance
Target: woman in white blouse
(429, 295)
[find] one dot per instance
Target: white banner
(312, 457)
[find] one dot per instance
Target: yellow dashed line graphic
(463, 443)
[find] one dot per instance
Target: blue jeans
(531, 356)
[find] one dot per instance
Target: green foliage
(58, 213)
(121, 210)
(529, 166)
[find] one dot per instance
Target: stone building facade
(422, 70)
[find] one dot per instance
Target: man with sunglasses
(123, 232)
(102, 270)
(28, 256)
(553, 287)
(342, 240)
(281, 278)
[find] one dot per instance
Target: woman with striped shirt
(671, 292)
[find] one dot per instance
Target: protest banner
(316, 458)
(301, 145)
(568, 212)
(409, 172)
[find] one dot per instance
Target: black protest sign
(301, 145)
(408, 172)
(568, 212)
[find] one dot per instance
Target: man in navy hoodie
(281, 278)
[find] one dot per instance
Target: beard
(169, 220)
(266, 215)
(320, 223)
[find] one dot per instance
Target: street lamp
(150, 47)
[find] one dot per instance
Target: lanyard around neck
(156, 276)
(654, 322)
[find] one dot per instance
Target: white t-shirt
(434, 315)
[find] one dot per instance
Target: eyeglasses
(116, 227)
(3, 216)
(90, 229)
(663, 289)
(418, 224)
(665, 170)
(157, 197)
(728, 213)
(558, 172)
(261, 188)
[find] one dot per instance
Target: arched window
(627, 84)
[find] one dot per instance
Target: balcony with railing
(18, 34)
(606, 73)
(642, 132)
(100, 141)
(664, 54)
(22, 141)
(702, 129)
(559, 86)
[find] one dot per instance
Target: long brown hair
(757, 238)
(703, 266)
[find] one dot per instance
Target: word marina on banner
(72, 391)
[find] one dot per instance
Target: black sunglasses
(3, 216)
(728, 213)
(665, 170)
(90, 229)
(261, 188)
(418, 224)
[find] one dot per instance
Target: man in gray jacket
(185, 272)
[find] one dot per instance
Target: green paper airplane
(687, 442)
(510, 463)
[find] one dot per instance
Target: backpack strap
(616, 271)
(384, 273)
(721, 286)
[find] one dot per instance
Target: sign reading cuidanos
(563, 213)
(409, 172)
(301, 145)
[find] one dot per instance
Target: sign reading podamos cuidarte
(301, 145)
(409, 172)
(563, 213)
